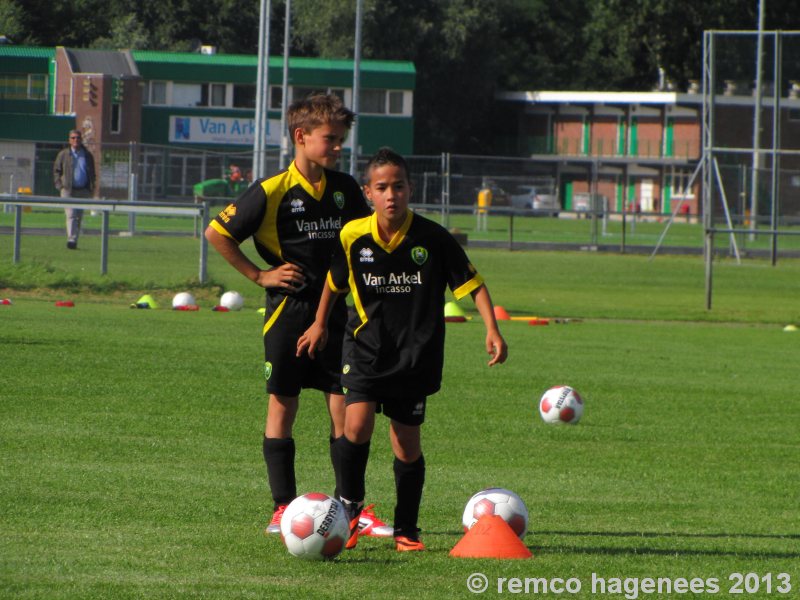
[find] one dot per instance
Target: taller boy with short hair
(294, 220)
(397, 265)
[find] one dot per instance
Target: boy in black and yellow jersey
(294, 220)
(397, 265)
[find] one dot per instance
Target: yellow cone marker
(451, 309)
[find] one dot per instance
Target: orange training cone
(491, 537)
(500, 314)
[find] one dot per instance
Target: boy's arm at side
(284, 276)
(316, 336)
(495, 344)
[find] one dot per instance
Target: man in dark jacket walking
(74, 176)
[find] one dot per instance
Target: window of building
(14, 86)
(155, 93)
(395, 102)
(116, 118)
(298, 93)
(37, 87)
(244, 96)
(275, 97)
(186, 94)
(383, 102)
(373, 101)
(218, 94)
(213, 94)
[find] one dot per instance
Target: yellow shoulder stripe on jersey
(359, 306)
(275, 189)
(354, 230)
(350, 233)
(298, 177)
(333, 287)
(469, 287)
(274, 316)
(215, 225)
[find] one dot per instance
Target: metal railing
(105, 208)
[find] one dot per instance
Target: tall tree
(126, 32)
(449, 42)
(463, 50)
(628, 40)
(12, 21)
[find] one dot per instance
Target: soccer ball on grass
(232, 300)
(315, 527)
(183, 299)
(561, 404)
(497, 501)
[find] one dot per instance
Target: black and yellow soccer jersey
(291, 222)
(394, 341)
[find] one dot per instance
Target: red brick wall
(605, 132)
(686, 142)
(649, 134)
(569, 134)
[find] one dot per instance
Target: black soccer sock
(409, 478)
(352, 468)
(336, 465)
(279, 456)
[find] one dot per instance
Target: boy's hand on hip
(286, 276)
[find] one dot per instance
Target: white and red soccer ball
(497, 501)
(315, 527)
(183, 300)
(561, 404)
(232, 300)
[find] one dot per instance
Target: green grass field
(130, 454)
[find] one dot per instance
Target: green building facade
(174, 119)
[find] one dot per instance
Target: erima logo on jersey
(366, 255)
(228, 212)
(338, 198)
(419, 409)
(297, 206)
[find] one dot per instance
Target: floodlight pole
(776, 144)
(262, 85)
(284, 138)
(757, 123)
(356, 88)
(709, 84)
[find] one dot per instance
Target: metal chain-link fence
(446, 187)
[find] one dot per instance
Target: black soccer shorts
(286, 318)
(405, 410)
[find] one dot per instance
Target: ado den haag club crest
(419, 255)
(338, 198)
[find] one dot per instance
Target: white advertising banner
(219, 130)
